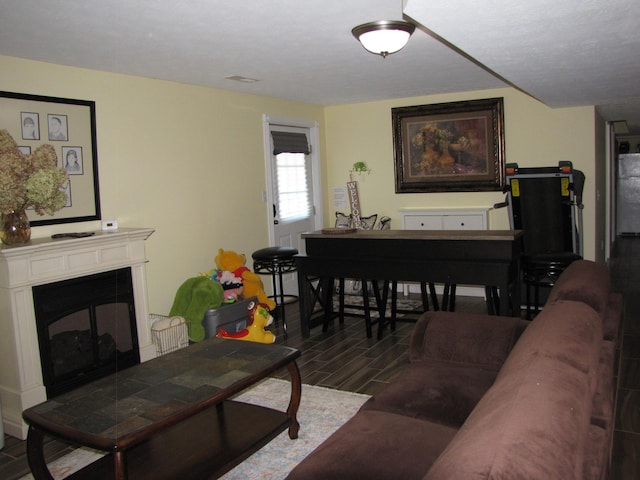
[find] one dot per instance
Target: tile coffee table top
(160, 390)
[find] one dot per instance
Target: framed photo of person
(72, 160)
(30, 125)
(58, 130)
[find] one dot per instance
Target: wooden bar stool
(380, 297)
(424, 295)
(276, 261)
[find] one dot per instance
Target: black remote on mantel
(73, 235)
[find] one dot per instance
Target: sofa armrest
(464, 338)
(584, 281)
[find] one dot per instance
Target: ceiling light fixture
(384, 37)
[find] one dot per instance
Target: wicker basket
(169, 333)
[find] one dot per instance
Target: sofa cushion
(529, 425)
(342, 220)
(596, 466)
(533, 422)
(567, 331)
(480, 340)
(613, 318)
(440, 392)
(602, 414)
(584, 281)
(376, 445)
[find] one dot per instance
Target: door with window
(293, 188)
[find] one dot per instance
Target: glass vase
(15, 228)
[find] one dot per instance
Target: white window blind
(293, 186)
(290, 142)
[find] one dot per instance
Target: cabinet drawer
(463, 222)
(423, 222)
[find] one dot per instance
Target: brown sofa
(488, 397)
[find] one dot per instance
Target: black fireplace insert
(86, 328)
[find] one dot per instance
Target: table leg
(452, 297)
(119, 465)
(381, 304)
(294, 402)
(327, 300)
(506, 302)
(35, 455)
(493, 306)
(305, 302)
(445, 297)
(284, 320)
(367, 312)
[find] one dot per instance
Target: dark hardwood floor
(343, 358)
(625, 270)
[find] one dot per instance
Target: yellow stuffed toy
(235, 263)
(258, 318)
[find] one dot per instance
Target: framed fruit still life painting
(455, 147)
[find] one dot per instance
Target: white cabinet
(445, 219)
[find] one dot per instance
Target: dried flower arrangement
(30, 181)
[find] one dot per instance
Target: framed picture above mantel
(449, 147)
(69, 126)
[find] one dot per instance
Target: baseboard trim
(461, 290)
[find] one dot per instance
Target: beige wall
(189, 161)
(185, 160)
(535, 135)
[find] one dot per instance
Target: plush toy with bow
(235, 263)
(232, 286)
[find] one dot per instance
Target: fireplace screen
(86, 329)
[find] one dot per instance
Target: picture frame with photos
(71, 129)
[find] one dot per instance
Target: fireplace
(46, 263)
(86, 329)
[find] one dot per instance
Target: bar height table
(489, 258)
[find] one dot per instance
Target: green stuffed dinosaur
(194, 297)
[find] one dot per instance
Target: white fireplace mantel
(47, 260)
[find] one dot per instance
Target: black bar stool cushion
(274, 253)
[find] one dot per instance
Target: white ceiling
(564, 53)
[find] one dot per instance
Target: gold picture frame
(456, 146)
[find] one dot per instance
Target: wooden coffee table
(170, 417)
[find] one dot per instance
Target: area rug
(74, 461)
(322, 411)
(404, 305)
